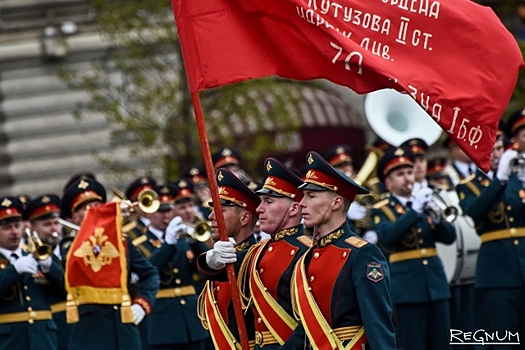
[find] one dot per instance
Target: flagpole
(230, 270)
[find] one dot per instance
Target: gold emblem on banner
(97, 251)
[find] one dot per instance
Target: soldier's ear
(337, 202)
(246, 217)
(295, 208)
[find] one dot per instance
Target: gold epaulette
(380, 204)
(356, 241)
(129, 226)
(306, 240)
(467, 179)
(139, 240)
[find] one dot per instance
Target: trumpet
(201, 231)
(39, 250)
(447, 213)
(147, 201)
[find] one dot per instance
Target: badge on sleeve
(374, 272)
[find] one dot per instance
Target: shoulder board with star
(139, 240)
(380, 204)
(356, 242)
(306, 240)
(467, 179)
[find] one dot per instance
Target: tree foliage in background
(140, 88)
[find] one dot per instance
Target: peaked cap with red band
(10, 208)
(167, 195)
(321, 176)
(339, 155)
(437, 167)
(81, 192)
(280, 181)
(233, 191)
(418, 147)
(184, 189)
(42, 207)
(196, 175)
(139, 185)
(224, 157)
(393, 159)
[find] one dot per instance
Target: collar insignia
(331, 237)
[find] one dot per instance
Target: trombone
(39, 250)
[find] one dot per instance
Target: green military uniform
(419, 288)
(341, 285)
(176, 300)
(274, 260)
(45, 207)
(497, 209)
(100, 326)
(29, 302)
(25, 299)
(217, 294)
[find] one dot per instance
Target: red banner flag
(454, 57)
(96, 266)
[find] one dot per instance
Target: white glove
(222, 253)
(371, 236)
(45, 265)
(138, 313)
(26, 264)
(435, 208)
(173, 229)
(356, 211)
(421, 199)
(504, 164)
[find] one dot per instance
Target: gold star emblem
(220, 176)
(268, 166)
(226, 152)
(83, 184)
(194, 171)
(183, 184)
(165, 190)
(144, 180)
(252, 186)
(97, 251)
(6, 202)
(340, 150)
(310, 159)
(45, 199)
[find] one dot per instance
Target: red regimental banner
(454, 57)
(96, 270)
